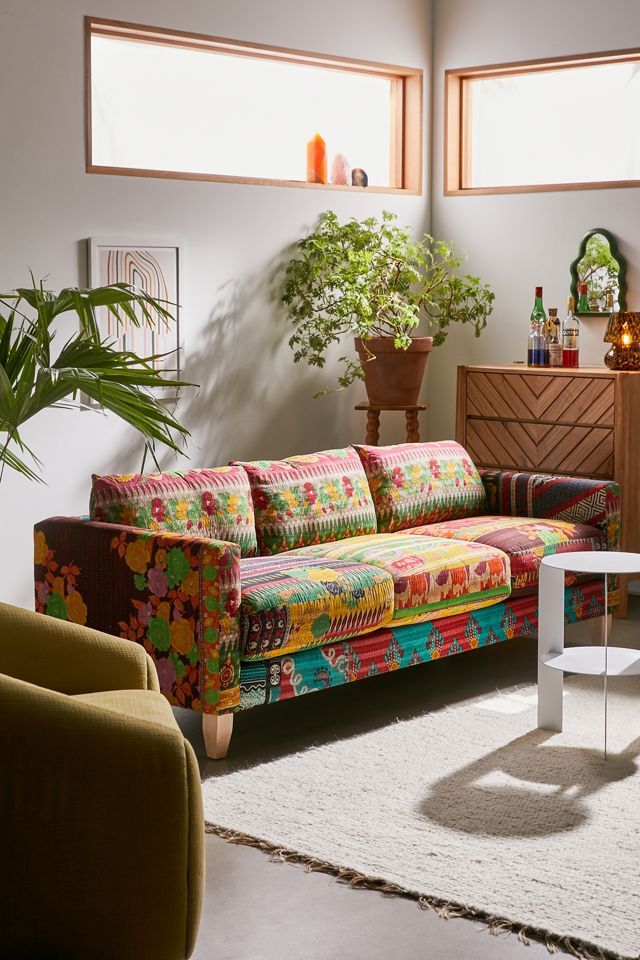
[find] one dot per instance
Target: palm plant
(33, 379)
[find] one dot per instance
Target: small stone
(340, 169)
(359, 177)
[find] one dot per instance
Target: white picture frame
(156, 266)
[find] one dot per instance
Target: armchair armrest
(178, 596)
(69, 658)
(101, 831)
(511, 493)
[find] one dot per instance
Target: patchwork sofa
(259, 581)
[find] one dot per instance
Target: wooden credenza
(583, 423)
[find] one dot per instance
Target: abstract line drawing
(156, 269)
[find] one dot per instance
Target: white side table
(553, 659)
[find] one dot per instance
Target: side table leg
(413, 427)
(373, 427)
(550, 640)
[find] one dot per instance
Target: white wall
(517, 241)
(253, 402)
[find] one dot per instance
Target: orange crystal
(316, 160)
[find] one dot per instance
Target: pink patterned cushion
(310, 499)
(212, 503)
(418, 483)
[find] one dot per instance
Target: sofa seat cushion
(432, 577)
(310, 499)
(418, 483)
(290, 603)
(213, 503)
(146, 705)
(525, 541)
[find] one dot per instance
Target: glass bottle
(570, 337)
(553, 338)
(583, 300)
(537, 353)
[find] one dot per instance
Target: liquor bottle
(610, 306)
(553, 338)
(570, 337)
(537, 353)
(583, 300)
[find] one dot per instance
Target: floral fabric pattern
(432, 577)
(290, 604)
(57, 592)
(388, 649)
(177, 596)
(418, 483)
(310, 499)
(525, 541)
(208, 503)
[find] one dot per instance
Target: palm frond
(32, 380)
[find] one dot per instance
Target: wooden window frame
(406, 104)
(457, 121)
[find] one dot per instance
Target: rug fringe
(497, 926)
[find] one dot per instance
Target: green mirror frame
(622, 273)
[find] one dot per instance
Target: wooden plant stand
(373, 420)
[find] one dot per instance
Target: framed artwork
(156, 268)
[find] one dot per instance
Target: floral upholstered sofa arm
(511, 493)
(176, 595)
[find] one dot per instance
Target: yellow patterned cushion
(290, 603)
(432, 577)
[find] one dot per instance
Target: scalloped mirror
(600, 266)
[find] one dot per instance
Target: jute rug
(473, 811)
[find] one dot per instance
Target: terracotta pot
(395, 377)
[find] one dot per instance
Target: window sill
(540, 188)
(255, 181)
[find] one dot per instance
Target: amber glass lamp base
(620, 357)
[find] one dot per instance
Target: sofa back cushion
(418, 483)
(316, 498)
(212, 503)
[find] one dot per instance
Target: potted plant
(372, 279)
(33, 377)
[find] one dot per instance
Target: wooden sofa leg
(217, 730)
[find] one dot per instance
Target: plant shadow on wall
(528, 788)
(249, 404)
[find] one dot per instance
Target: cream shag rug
(472, 809)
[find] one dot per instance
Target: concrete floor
(256, 909)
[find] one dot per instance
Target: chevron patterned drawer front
(541, 398)
(541, 447)
(583, 423)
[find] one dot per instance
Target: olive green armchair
(101, 825)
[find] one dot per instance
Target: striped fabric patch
(432, 577)
(212, 503)
(310, 499)
(290, 603)
(417, 483)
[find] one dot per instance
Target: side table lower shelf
(595, 661)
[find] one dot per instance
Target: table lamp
(623, 333)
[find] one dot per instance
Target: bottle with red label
(570, 337)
